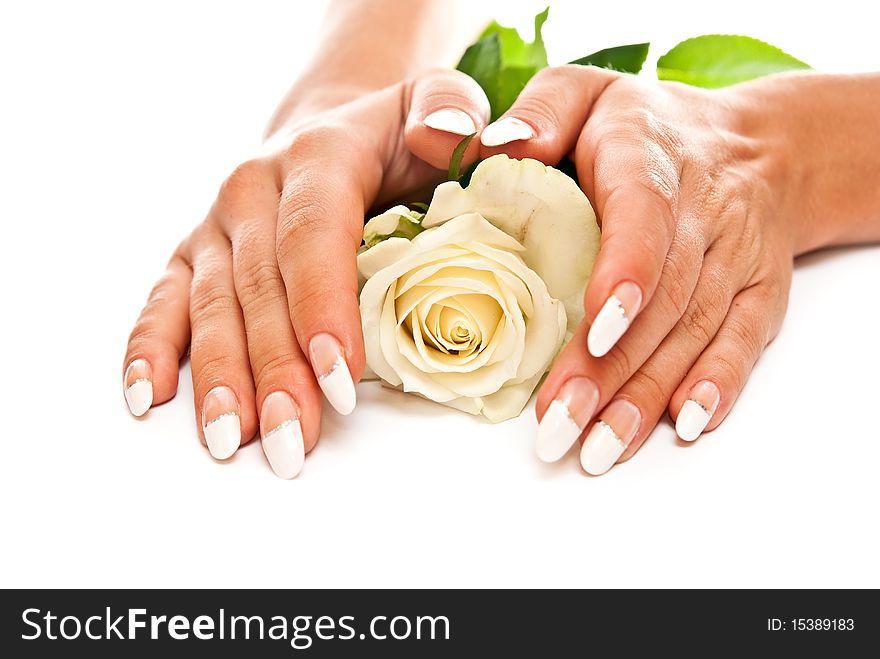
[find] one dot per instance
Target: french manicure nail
(451, 120)
(332, 372)
(566, 418)
(610, 436)
(506, 129)
(697, 410)
(282, 434)
(222, 426)
(614, 318)
(138, 386)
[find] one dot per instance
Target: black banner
(289, 623)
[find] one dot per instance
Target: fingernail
(332, 372)
(222, 427)
(697, 410)
(566, 418)
(137, 384)
(450, 120)
(610, 436)
(282, 434)
(507, 129)
(614, 318)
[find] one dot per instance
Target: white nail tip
(284, 449)
(601, 449)
(610, 324)
(338, 387)
(508, 129)
(556, 432)
(139, 396)
(451, 121)
(223, 435)
(692, 420)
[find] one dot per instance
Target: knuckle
(728, 369)
(617, 367)
(242, 181)
(671, 289)
(318, 138)
(208, 301)
(748, 333)
(750, 238)
(699, 322)
(649, 386)
(269, 365)
(258, 283)
(662, 133)
(660, 179)
(145, 332)
(314, 293)
(306, 212)
(210, 367)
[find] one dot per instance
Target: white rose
(471, 311)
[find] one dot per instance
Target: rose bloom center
(460, 324)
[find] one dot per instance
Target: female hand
(264, 291)
(704, 198)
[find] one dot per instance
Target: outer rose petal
(390, 221)
(540, 207)
(386, 253)
(505, 404)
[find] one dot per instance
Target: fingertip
(435, 145)
(451, 120)
(137, 386)
(149, 380)
(614, 318)
(333, 372)
(446, 106)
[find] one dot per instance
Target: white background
(118, 122)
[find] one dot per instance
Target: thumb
(445, 106)
(545, 120)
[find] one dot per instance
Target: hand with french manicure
(264, 291)
(704, 199)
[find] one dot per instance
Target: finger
(548, 115)
(627, 421)
(445, 106)
(579, 384)
(286, 392)
(632, 173)
(707, 394)
(222, 383)
(159, 340)
(319, 230)
(636, 187)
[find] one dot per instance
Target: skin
(247, 290)
(705, 198)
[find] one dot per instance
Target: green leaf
(502, 62)
(420, 205)
(718, 60)
(457, 155)
(627, 59)
(482, 62)
(511, 81)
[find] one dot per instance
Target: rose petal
(540, 207)
(383, 255)
(509, 402)
(469, 226)
(394, 219)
